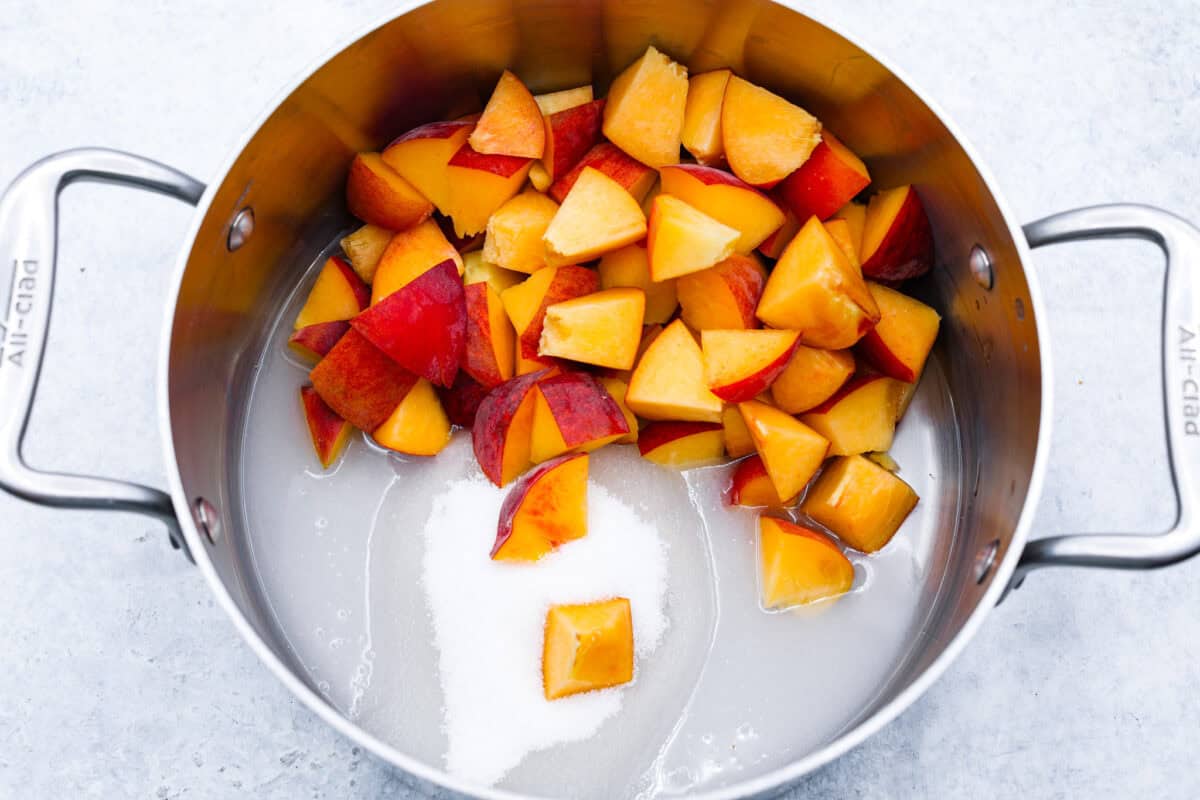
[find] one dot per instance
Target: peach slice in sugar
(587, 647)
(544, 509)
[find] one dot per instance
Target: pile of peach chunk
(555, 275)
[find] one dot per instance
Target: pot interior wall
(441, 60)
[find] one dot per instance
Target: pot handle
(28, 240)
(1180, 242)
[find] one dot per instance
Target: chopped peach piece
(477, 269)
(597, 216)
(811, 377)
(633, 175)
(814, 289)
(799, 566)
(313, 342)
(644, 113)
(570, 134)
(553, 102)
(630, 267)
(587, 647)
(503, 423)
(860, 501)
(408, 255)
(791, 451)
(766, 137)
(750, 485)
(422, 154)
(603, 328)
(855, 217)
(328, 431)
(418, 426)
(828, 180)
(841, 233)
(479, 184)
(364, 247)
(774, 245)
(740, 365)
(682, 445)
(702, 116)
(897, 238)
(682, 239)
(512, 123)
(338, 294)
(514, 232)
(490, 351)
(727, 199)
(724, 296)
(738, 442)
(573, 411)
(900, 342)
(360, 382)
(377, 194)
(546, 508)
(668, 382)
(860, 417)
(526, 304)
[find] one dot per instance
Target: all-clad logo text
(1191, 382)
(14, 333)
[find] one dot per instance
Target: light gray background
(121, 678)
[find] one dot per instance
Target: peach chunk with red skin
(860, 501)
(900, 342)
(315, 341)
(587, 647)
(811, 377)
(526, 303)
(727, 199)
(462, 400)
(423, 326)
(570, 134)
(503, 425)
(337, 295)
(511, 123)
(408, 255)
(750, 485)
(377, 194)
(633, 176)
(573, 411)
(860, 417)
(328, 431)
(799, 565)
(422, 155)
(897, 238)
(544, 509)
(490, 349)
(479, 183)
(364, 247)
(740, 365)
(815, 289)
(826, 182)
(682, 445)
(791, 451)
(360, 382)
(724, 296)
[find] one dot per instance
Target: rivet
(981, 267)
(207, 519)
(986, 560)
(240, 229)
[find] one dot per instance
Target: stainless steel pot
(278, 202)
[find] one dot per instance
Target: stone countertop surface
(122, 678)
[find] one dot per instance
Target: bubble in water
(320, 633)
(322, 523)
(706, 739)
(343, 614)
(745, 732)
(323, 687)
(336, 642)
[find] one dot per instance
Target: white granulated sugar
(488, 619)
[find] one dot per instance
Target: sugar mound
(488, 618)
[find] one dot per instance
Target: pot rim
(774, 780)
